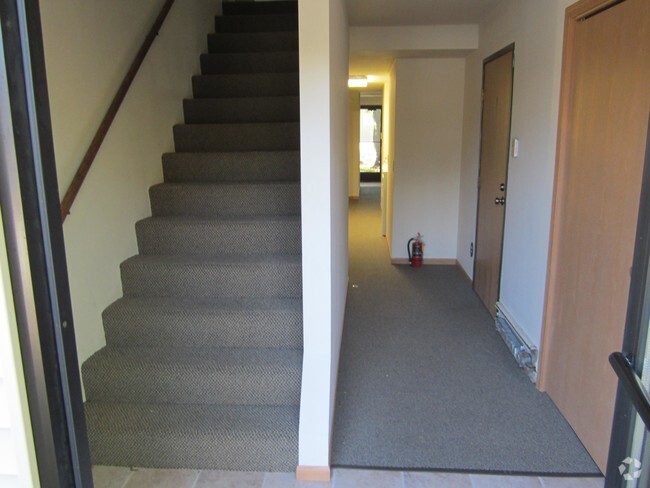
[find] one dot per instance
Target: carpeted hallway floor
(425, 380)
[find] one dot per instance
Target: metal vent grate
(525, 353)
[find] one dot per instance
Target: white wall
(17, 456)
(536, 28)
(414, 37)
(88, 48)
(338, 180)
(427, 155)
(324, 169)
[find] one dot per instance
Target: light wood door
(495, 142)
(603, 123)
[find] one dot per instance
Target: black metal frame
(39, 275)
(633, 386)
(626, 363)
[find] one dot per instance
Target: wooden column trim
(313, 473)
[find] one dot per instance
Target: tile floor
(116, 477)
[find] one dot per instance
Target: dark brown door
(495, 143)
(601, 149)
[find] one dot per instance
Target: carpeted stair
(203, 361)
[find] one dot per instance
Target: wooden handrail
(100, 135)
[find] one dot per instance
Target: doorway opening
(370, 143)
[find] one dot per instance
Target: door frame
(574, 13)
(636, 331)
(29, 201)
(492, 57)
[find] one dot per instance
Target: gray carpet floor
(425, 381)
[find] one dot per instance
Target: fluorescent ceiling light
(358, 82)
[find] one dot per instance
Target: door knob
(500, 201)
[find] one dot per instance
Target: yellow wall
(387, 151)
(88, 48)
(17, 456)
(354, 129)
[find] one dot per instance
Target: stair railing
(100, 135)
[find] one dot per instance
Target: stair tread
(257, 22)
(243, 167)
(249, 62)
(246, 85)
(260, 99)
(230, 219)
(214, 236)
(203, 305)
(232, 154)
(241, 110)
(235, 437)
(193, 322)
(220, 198)
(236, 100)
(252, 54)
(253, 42)
(248, 35)
(237, 136)
(205, 360)
(192, 419)
(238, 125)
(259, 8)
(204, 261)
(285, 15)
(228, 184)
(181, 374)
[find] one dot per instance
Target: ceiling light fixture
(358, 82)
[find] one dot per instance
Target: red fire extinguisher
(415, 248)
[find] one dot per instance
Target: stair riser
(269, 280)
(237, 137)
(241, 328)
(170, 450)
(218, 238)
(259, 8)
(180, 385)
(213, 64)
(231, 167)
(227, 201)
(233, 110)
(258, 85)
(256, 23)
(253, 42)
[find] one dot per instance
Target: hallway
(425, 380)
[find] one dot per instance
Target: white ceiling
(417, 12)
(363, 63)
(404, 13)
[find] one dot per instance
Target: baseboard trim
(313, 473)
(427, 261)
(464, 273)
(354, 198)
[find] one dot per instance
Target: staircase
(203, 361)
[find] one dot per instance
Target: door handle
(500, 201)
